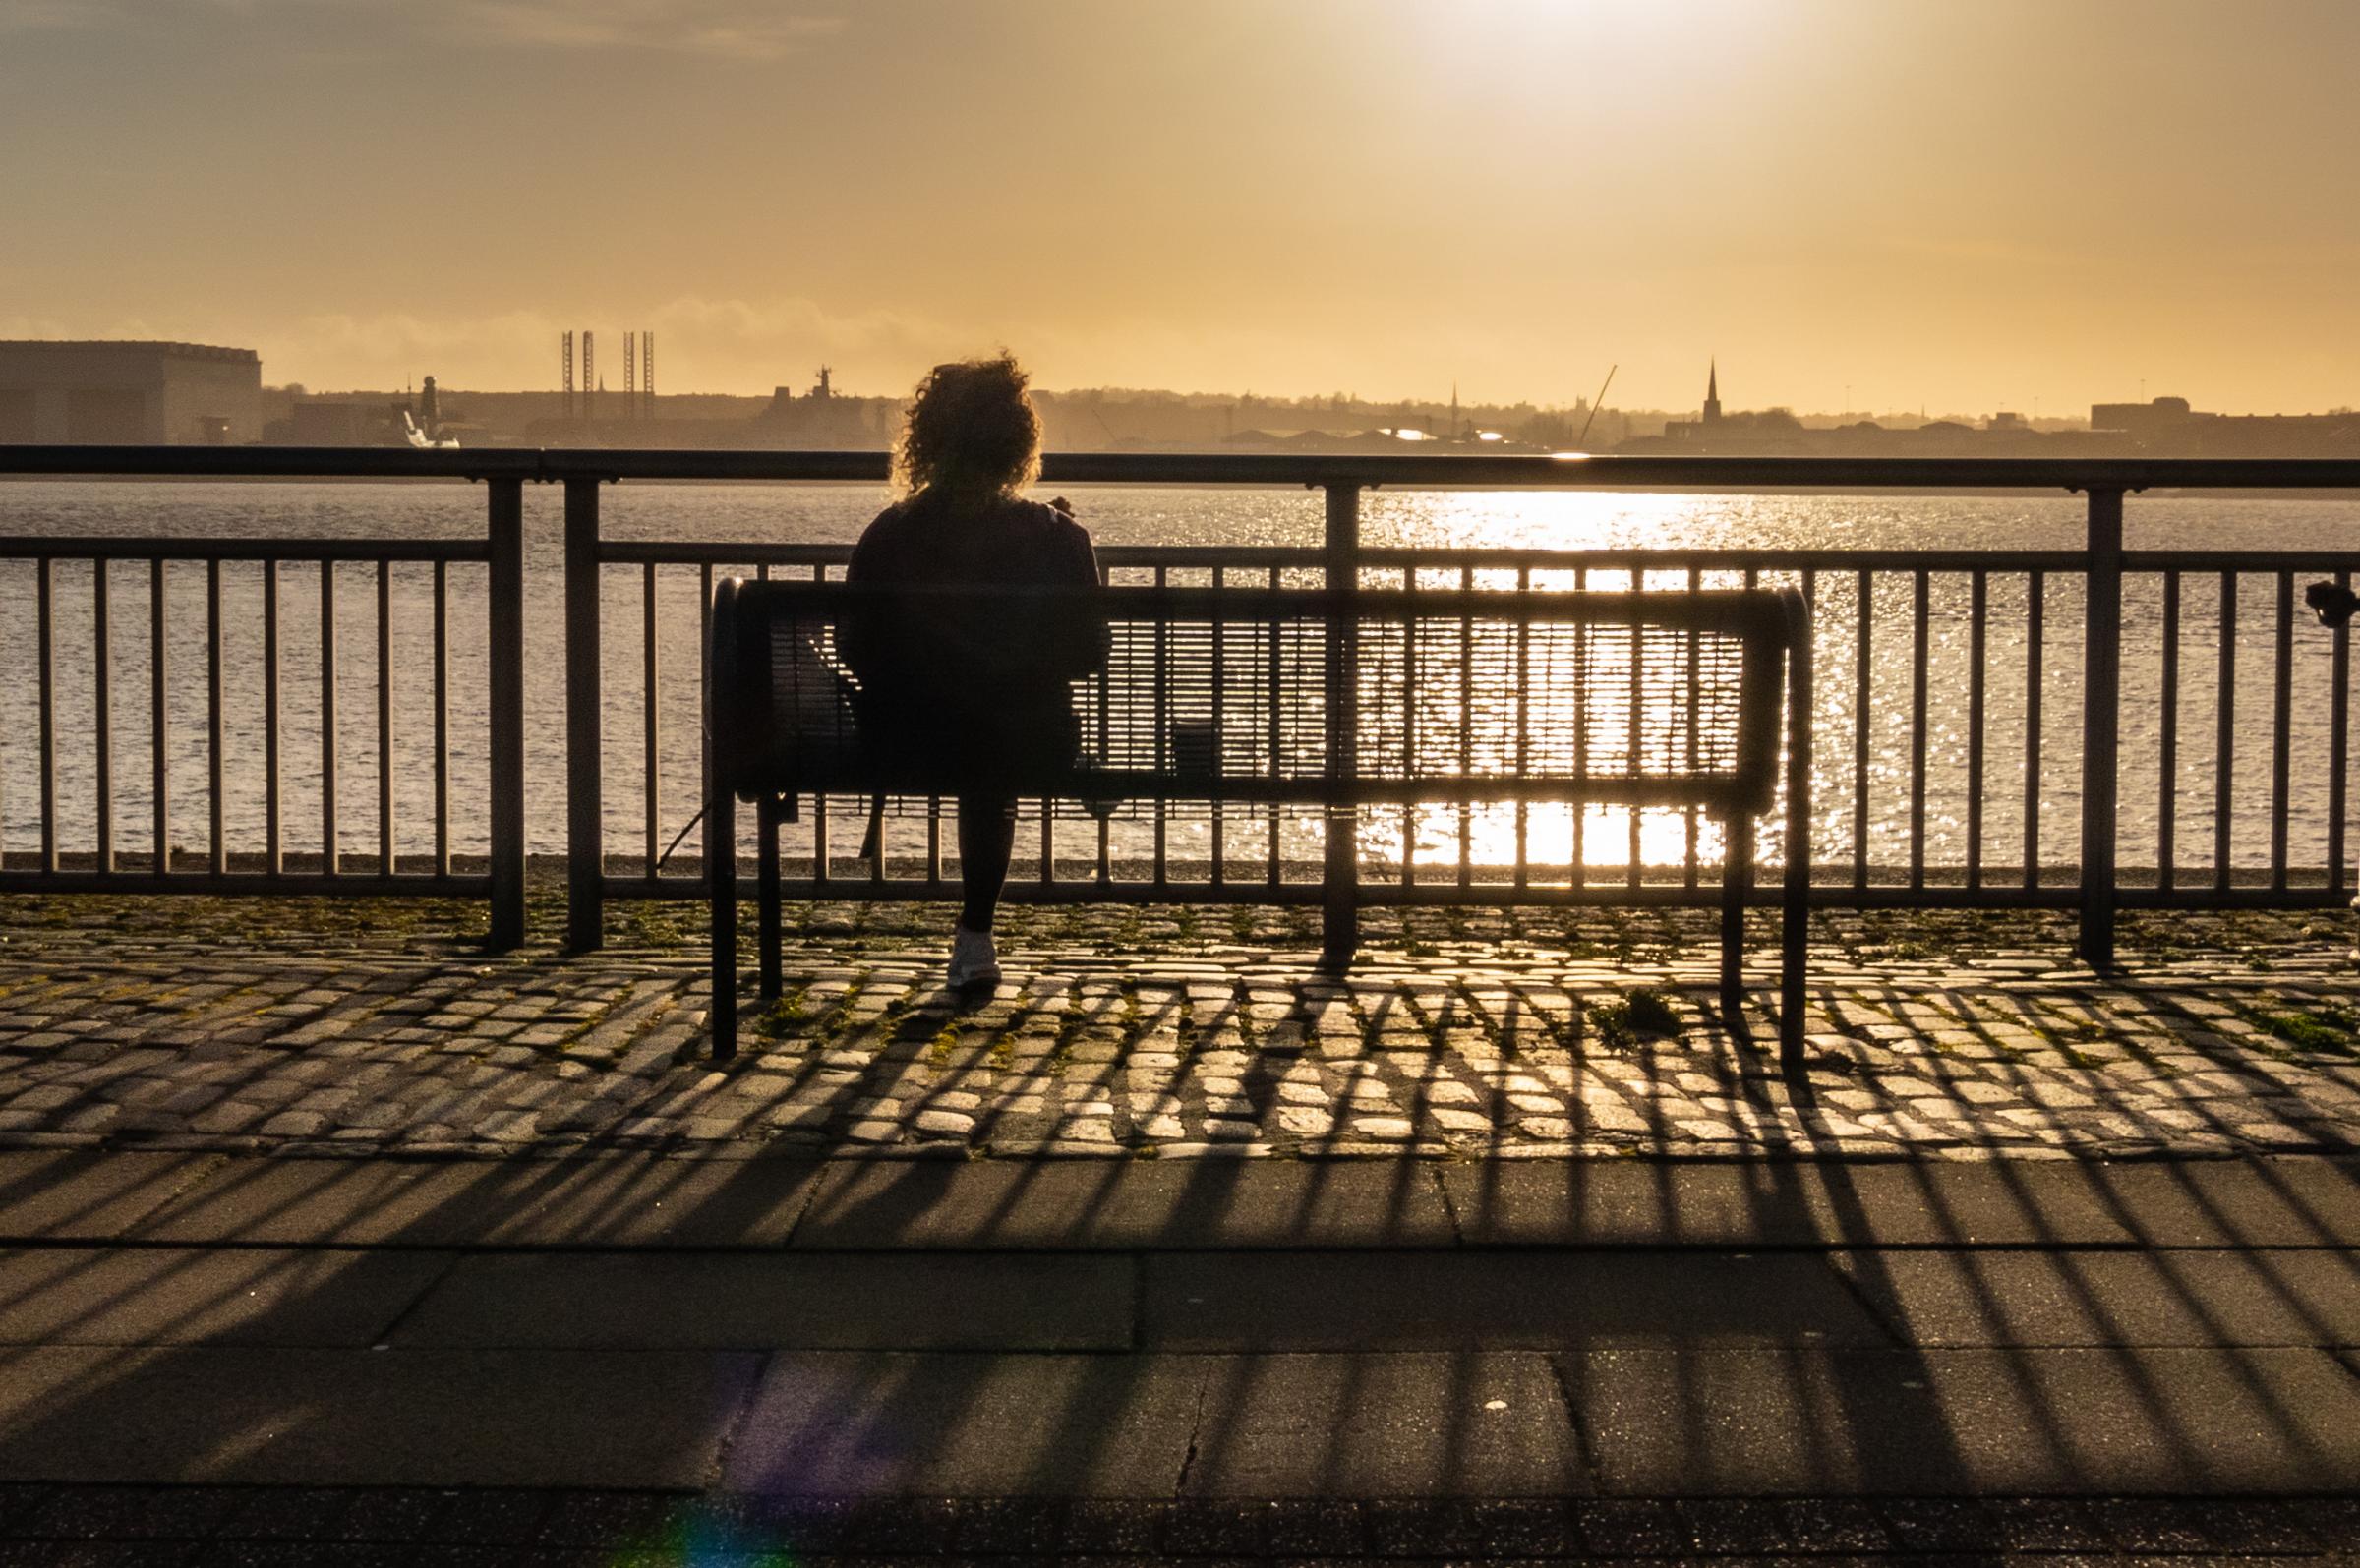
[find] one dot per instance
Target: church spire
(1712, 392)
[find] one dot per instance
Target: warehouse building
(129, 393)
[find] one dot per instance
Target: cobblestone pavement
(366, 1028)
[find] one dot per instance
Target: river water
(1567, 520)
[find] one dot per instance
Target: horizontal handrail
(1605, 558)
(1564, 470)
(1738, 612)
(159, 547)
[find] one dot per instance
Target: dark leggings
(987, 840)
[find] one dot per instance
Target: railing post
(585, 808)
(2101, 705)
(1339, 926)
(504, 614)
(1795, 923)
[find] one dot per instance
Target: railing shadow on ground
(1705, 1391)
(1850, 1414)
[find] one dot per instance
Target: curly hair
(969, 427)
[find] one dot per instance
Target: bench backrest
(1307, 696)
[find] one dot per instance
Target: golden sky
(1968, 205)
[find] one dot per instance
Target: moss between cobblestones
(2325, 1028)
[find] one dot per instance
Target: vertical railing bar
(1159, 870)
(1921, 638)
(503, 658)
(1339, 687)
(585, 740)
(1688, 868)
(216, 843)
(1220, 637)
(45, 635)
(102, 711)
(273, 772)
(1103, 683)
(441, 719)
(1580, 871)
(386, 859)
(652, 781)
(934, 841)
(1466, 730)
(2224, 757)
(2035, 627)
(1636, 729)
(158, 659)
(2102, 727)
(1274, 673)
(1864, 615)
(1409, 721)
(2167, 749)
(2339, 732)
(704, 685)
(1801, 722)
(1978, 616)
(2281, 742)
(1523, 699)
(328, 846)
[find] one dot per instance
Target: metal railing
(2027, 642)
(268, 614)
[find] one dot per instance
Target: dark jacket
(964, 694)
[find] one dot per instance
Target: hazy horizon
(2014, 206)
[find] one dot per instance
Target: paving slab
(281, 1202)
(719, 1301)
(1493, 1300)
(1127, 1203)
(51, 1195)
(627, 1199)
(1776, 1204)
(185, 1296)
(849, 1424)
(368, 1418)
(2274, 1203)
(1468, 1425)
(2164, 1297)
(2121, 1423)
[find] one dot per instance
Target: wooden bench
(1309, 698)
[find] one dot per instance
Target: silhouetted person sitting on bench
(971, 698)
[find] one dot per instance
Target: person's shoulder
(887, 523)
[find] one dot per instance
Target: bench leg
(721, 878)
(1793, 941)
(766, 894)
(1339, 902)
(1736, 883)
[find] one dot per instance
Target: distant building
(2169, 426)
(129, 394)
(2164, 417)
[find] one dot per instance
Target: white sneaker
(973, 959)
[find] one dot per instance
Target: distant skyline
(2020, 204)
